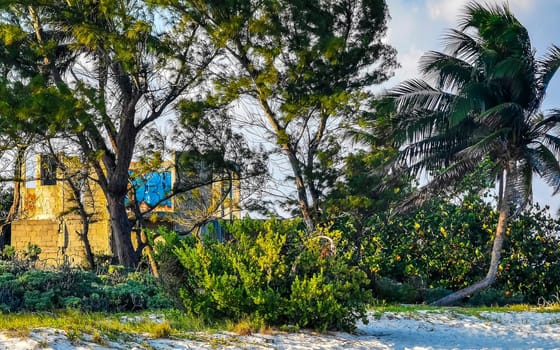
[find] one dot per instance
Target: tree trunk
(281, 135)
(14, 208)
(81, 207)
(301, 192)
(503, 208)
(87, 245)
(121, 231)
(149, 252)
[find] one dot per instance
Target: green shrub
(11, 292)
(495, 297)
(8, 253)
(32, 252)
(127, 296)
(446, 246)
(44, 290)
(531, 258)
(172, 275)
(160, 301)
(391, 291)
(71, 302)
(433, 294)
(442, 245)
(35, 300)
(272, 270)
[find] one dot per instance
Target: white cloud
(449, 10)
(412, 35)
(444, 10)
(417, 27)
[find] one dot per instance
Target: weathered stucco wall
(59, 240)
(48, 219)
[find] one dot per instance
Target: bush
(272, 270)
(45, 290)
(172, 275)
(441, 245)
(445, 246)
(495, 297)
(531, 259)
(391, 291)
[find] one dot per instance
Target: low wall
(59, 240)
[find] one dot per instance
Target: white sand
(416, 330)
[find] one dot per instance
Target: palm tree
(484, 102)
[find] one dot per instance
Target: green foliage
(271, 270)
(495, 297)
(443, 246)
(306, 65)
(35, 300)
(390, 290)
(172, 274)
(131, 295)
(531, 260)
(362, 192)
(8, 253)
(32, 252)
(42, 290)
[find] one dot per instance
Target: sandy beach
(447, 329)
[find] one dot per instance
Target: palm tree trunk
(503, 208)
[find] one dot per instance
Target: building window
(48, 170)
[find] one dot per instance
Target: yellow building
(48, 215)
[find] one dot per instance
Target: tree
(485, 103)
(299, 67)
(21, 130)
(120, 74)
(211, 163)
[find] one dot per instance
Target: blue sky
(416, 26)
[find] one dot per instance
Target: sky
(417, 26)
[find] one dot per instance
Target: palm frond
(468, 103)
(484, 146)
(418, 124)
(449, 72)
(429, 149)
(515, 77)
(512, 66)
(546, 165)
(438, 184)
(500, 115)
(493, 22)
(418, 94)
(552, 143)
(543, 124)
(461, 45)
(476, 15)
(519, 185)
(547, 67)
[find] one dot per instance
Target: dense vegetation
(363, 231)
(271, 272)
(23, 288)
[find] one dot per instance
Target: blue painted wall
(152, 187)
